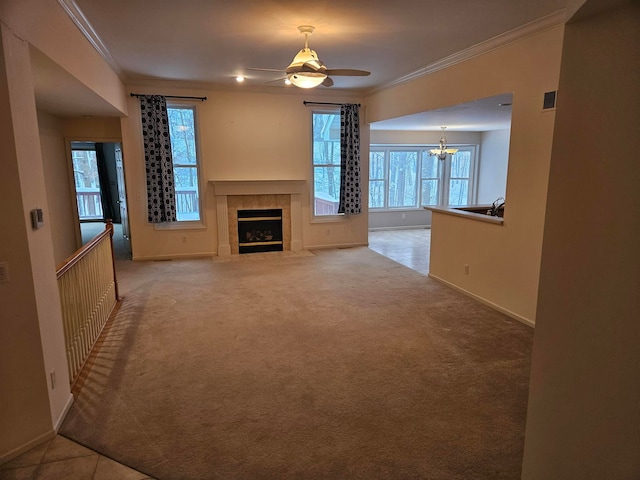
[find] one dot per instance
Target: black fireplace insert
(260, 230)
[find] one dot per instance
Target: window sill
(396, 209)
(184, 225)
(329, 218)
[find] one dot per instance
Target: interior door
(122, 200)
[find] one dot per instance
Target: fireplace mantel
(226, 188)
(258, 187)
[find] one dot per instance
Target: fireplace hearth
(260, 230)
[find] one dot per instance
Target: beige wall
(504, 260)
(46, 26)
(584, 402)
(242, 136)
(105, 129)
(32, 344)
(31, 338)
(56, 163)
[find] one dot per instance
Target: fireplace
(260, 230)
(236, 195)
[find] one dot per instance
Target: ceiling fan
(307, 70)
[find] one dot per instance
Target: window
(408, 177)
(402, 179)
(377, 179)
(459, 178)
(326, 163)
(87, 181)
(185, 161)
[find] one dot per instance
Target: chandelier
(442, 150)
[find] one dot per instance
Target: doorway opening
(98, 176)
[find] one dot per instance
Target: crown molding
(77, 17)
(526, 30)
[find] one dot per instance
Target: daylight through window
(185, 161)
(408, 177)
(326, 163)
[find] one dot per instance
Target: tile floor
(408, 247)
(61, 458)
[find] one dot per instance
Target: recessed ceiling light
(239, 79)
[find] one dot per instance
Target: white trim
(225, 188)
(174, 256)
(489, 303)
(63, 414)
(341, 217)
(77, 17)
(338, 246)
(526, 30)
(400, 227)
(258, 187)
(11, 454)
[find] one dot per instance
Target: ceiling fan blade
(327, 82)
(347, 72)
(305, 67)
(277, 80)
(279, 70)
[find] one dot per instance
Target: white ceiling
(211, 41)
(492, 113)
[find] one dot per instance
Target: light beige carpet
(338, 365)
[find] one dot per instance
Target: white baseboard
(64, 412)
(489, 303)
(335, 245)
(10, 455)
(177, 256)
(406, 227)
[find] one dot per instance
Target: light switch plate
(37, 218)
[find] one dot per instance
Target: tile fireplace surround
(234, 195)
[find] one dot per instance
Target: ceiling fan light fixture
(306, 70)
(308, 56)
(306, 79)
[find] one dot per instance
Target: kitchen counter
(471, 212)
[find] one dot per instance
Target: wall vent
(549, 100)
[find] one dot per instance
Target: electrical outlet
(184, 239)
(404, 215)
(52, 376)
(4, 272)
(466, 269)
(328, 231)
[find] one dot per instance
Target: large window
(185, 161)
(326, 163)
(408, 177)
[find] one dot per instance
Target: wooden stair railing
(88, 295)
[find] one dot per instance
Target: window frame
(189, 224)
(444, 175)
(316, 218)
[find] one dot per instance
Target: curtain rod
(328, 103)
(202, 99)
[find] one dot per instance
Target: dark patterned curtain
(161, 194)
(350, 197)
(105, 186)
